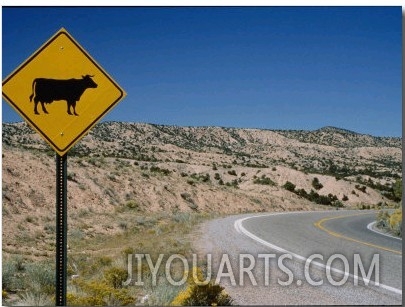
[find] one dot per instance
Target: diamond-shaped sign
(61, 91)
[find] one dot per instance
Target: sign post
(61, 229)
(61, 92)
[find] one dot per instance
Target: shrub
(37, 279)
(302, 193)
(71, 177)
(132, 205)
(128, 251)
(29, 219)
(382, 219)
(123, 225)
(232, 172)
(316, 184)
(338, 204)
(360, 188)
(208, 295)
(104, 260)
(205, 178)
(202, 294)
(264, 180)
(289, 186)
(41, 278)
(234, 183)
(395, 222)
(95, 293)
(162, 294)
(115, 277)
(9, 275)
(157, 169)
(191, 182)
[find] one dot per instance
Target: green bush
(9, 276)
(264, 180)
(157, 169)
(234, 183)
(13, 270)
(316, 184)
(232, 172)
(289, 186)
(41, 278)
(132, 205)
(360, 188)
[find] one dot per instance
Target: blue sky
(250, 67)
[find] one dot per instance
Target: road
(284, 242)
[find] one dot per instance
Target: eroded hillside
(155, 168)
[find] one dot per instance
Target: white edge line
(371, 227)
(240, 229)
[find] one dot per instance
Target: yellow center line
(319, 225)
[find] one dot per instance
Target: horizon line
(231, 127)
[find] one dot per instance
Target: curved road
(304, 258)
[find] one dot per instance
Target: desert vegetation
(141, 188)
(97, 265)
(390, 222)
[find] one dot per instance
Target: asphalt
(330, 235)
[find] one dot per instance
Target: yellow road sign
(61, 91)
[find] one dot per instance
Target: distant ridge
(336, 129)
(339, 137)
(209, 136)
(330, 129)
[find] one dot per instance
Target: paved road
(286, 241)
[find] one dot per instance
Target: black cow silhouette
(49, 90)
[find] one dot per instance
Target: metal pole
(61, 229)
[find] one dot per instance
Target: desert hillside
(155, 168)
